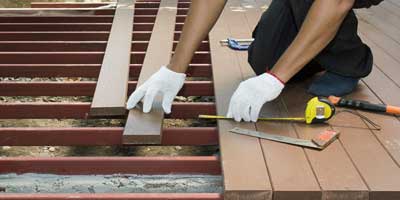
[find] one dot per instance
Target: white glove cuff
(271, 79)
(171, 74)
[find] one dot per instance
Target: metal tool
(364, 105)
(321, 141)
(237, 44)
(318, 110)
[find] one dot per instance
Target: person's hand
(251, 95)
(165, 81)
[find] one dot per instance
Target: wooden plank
(98, 136)
(82, 70)
(87, 88)
(112, 165)
(330, 165)
(244, 170)
(290, 172)
(390, 7)
(389, 45)
(373, 161)
(112, 85)
(382, 23)
(57, 11)
(384, 83)
(382, 60)
(146, 127)
(81, 110)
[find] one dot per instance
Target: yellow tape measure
(318, 110)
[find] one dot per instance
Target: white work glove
(165, 81)
(251, 95)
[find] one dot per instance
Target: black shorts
(345, 55)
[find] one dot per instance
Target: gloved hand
(251, 95)
(165, 81)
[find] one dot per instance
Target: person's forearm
(319, 28)
(201, 18)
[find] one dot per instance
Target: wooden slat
(82, 70)
(112, 85)
(332, 161)
(59, 11)
(290, 172)
(140, 126)
(67, 5)
(96, 136)
(57, 46)
(81, 110)
(244, 170)
(111, 165)
(87, 88)
(377, 167)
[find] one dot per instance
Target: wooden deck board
(243, 166)
(112, 85)
(290, 172)
(333, 168)
(143, 128)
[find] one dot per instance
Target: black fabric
(366, 3)
(345, 55)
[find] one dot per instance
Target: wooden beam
(243, 165)
(112, 165)
(141, 127)
(112, 86)
(97, 136)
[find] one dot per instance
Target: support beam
(112, 86)
(141, 127)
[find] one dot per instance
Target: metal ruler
(277, 138)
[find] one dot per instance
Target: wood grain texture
(290, 172)
(335, 172)
(112, 85)
(245, 173)
(142, 128)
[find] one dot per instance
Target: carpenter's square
(321, 141)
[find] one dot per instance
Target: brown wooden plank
(81, 110)
(245, 173)
(386, 63)
(67, 5)
(59, 11)
(82, 70)
(331, 164)
(290, 172)
(112, 85)
(390, 7)
(373, 161)
(382, 23)
(97, 136)
(388, 44)
(142, 127)
(384, 83)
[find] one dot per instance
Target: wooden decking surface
(362, 164)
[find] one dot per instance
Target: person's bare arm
(319, 28)
(201, 18)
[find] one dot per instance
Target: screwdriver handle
(364, 105)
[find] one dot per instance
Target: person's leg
(346, 58)
(274, 33)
